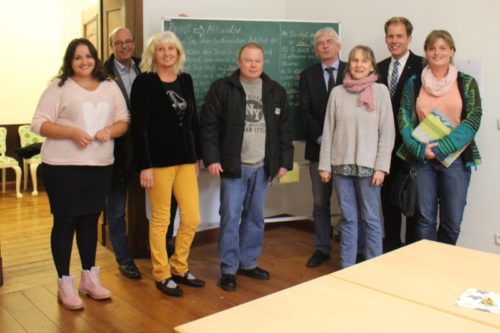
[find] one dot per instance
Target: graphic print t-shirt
(176, 123)
(254, 138)
(178, 103)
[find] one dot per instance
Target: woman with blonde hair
(443, 90)
(167, 150)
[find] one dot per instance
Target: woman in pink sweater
(80, 114)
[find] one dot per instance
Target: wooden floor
(28, 298)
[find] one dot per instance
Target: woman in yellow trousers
(166, 147)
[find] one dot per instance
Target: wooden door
(91, 26)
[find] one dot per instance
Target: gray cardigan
(354, 136)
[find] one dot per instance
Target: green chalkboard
(212, 48)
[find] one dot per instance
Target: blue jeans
(446, 188)
(359, 203)
(242, 219)
(322, 193)
(115, 215)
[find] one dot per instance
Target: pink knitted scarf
(364, 87)
(439, 87)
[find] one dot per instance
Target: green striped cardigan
(413, 151)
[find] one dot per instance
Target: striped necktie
(331, 79)
(394, 78)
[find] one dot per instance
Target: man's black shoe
(227, 282)
(130, 271)
(254, 273)
(189, 280)
(317, 259)
(169, 287)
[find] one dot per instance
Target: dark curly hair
(66, 70)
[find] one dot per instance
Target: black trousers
(61, 240)
(392, 215)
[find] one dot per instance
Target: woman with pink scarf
(356, 146)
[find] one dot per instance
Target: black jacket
(122, 168)
(223, 125)
(313, 101)
(413, 66)
(159, 141)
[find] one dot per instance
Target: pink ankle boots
(66, 294)
(90, 285)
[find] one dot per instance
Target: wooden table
(336, 304)
(432, 274)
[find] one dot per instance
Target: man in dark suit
(123, 68)
(394, 72)
(316, 83)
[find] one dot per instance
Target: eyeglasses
(123, 42)
(328, 42)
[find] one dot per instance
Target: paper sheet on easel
(292, 176)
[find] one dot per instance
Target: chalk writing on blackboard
(212, 48)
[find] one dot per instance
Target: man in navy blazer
(398, 32)
(315, 85)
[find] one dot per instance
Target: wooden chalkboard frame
(214, 45)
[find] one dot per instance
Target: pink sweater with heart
(72, 105)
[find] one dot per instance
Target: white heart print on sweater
(95, 118)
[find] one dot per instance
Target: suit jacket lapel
(319, 80)
(340, 73)
(384, 71)
(405, 75)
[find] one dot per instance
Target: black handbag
(404, 190)
(30, 150)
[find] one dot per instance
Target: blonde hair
(432, 38)
(399, 19)
(148, 62)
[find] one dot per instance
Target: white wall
(28, 55)
(34, 37)
(474, 25)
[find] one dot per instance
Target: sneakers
(66, 294)
(90, 285)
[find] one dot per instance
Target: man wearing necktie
(394, 72)
(316, 82)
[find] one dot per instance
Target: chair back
(28, 137)
(3, 141)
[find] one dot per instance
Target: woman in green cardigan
(454, 97)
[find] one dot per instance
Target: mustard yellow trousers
(182, 181)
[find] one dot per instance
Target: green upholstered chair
(27, 137)
(7, 162)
